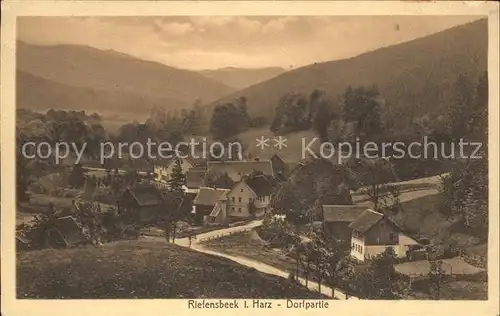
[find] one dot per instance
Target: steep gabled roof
(260, 185)
(209, 196)
(146, 196)
(366, 221)
(237, 169)
(195, 177)
(342, 213)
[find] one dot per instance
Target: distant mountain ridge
(110, 73)
(416, 76)
(240, 78)
(39, 94)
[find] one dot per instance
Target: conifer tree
(177, 179)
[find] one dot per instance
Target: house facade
(239, 200)
(162, 171)
(373, 232)
(248, 198)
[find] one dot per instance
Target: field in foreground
(143, 269)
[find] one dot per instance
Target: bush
(278, 233)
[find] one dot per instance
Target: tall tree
(361, 105)
(375, 175)
(320, 114)
(226, 121)
(242, 105)
(292, 114)
(464, 195)
(177, 178)
(479, 124)
(334, 254)
(436, 276)
(77, 176)
(461, 108)
(380, 280)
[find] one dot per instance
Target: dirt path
(195, 245)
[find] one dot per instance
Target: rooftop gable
(366, 221)
(146, 196)
(260, 185)
(209, 196)
(342, 213)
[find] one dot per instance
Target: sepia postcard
(173, 157)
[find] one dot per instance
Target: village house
(249, 198)
(205, 201)
(337, 218)
(373, 232)
(163, 168)
(148, 205)
(144, 201)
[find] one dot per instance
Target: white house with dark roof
(373, 232)
(248, 198)
(163, 168)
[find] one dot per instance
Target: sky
(235, 41)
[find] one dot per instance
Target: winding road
(195, 245)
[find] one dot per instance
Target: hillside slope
(113, 72)
(36, 93)
(143, 269)
(240, 78)
(417, 75)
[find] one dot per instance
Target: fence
(220, 235)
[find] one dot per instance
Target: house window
(233, 198)
(239, 209)
(391, 236)
(250, 199)
(232, 209)
(239, 199)
(241, 190)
